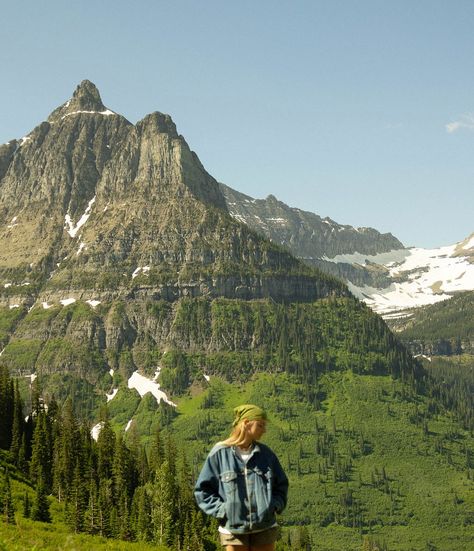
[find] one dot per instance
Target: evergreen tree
(105, 450)
(17, 427)
(8, 510)
(105, 506)
(91, 521)
(40, 465)
(6, 408)
(141, 514)
(77, 501)
(26, 505)
(157, 450)
(163, 505)
(66, 451)
(40, 509)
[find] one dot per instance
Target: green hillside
(371, 459)
(443, 328)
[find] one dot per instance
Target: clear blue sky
(357, 110)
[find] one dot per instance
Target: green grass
(28, 535)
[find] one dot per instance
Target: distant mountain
(377, 267)
(419, 277)
(311, 238)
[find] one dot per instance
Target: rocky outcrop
(306, 234)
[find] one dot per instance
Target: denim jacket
(243, 496)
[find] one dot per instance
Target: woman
(243, 485)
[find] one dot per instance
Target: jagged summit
(86, 99)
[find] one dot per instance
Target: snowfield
(421, 276)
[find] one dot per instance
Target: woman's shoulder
(218, 447)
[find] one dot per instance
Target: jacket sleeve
(280, 487)
(206, 491)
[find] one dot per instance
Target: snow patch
(14, 306)
(46, 305)
(93, 303)
(12, 222)
(107, 113)
(128, 425)
(96, 430)
(143, 269)
(67, 301)
(24, 140)
(111, 372)
(207, 377)
(32, 377)
(112, 395)
(7, 285)
(81, 247)
(143, 385)
(68, 224)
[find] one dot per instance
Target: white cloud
(466, 121)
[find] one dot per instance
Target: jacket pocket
(229, 484)
(263, 495)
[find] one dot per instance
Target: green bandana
(248, 411)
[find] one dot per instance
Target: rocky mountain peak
(86, 98)
(157, 123)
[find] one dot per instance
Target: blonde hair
(237, 436)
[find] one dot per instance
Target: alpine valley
(141, 300)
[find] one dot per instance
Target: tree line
(107, 487)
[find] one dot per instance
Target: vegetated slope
(371, 457)
(444, 328)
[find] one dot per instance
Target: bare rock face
(96, 207)
(311, 238)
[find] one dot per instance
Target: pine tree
(77, 501)
(163, 505)
(105, 450)
(40, 465)
(17, 427)
(105, 506)
(91, 520)
(8, 510)
(40, 509)
(142, 514)
(157, 451)
(6, 408)
(26, 505)
(66, 451)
